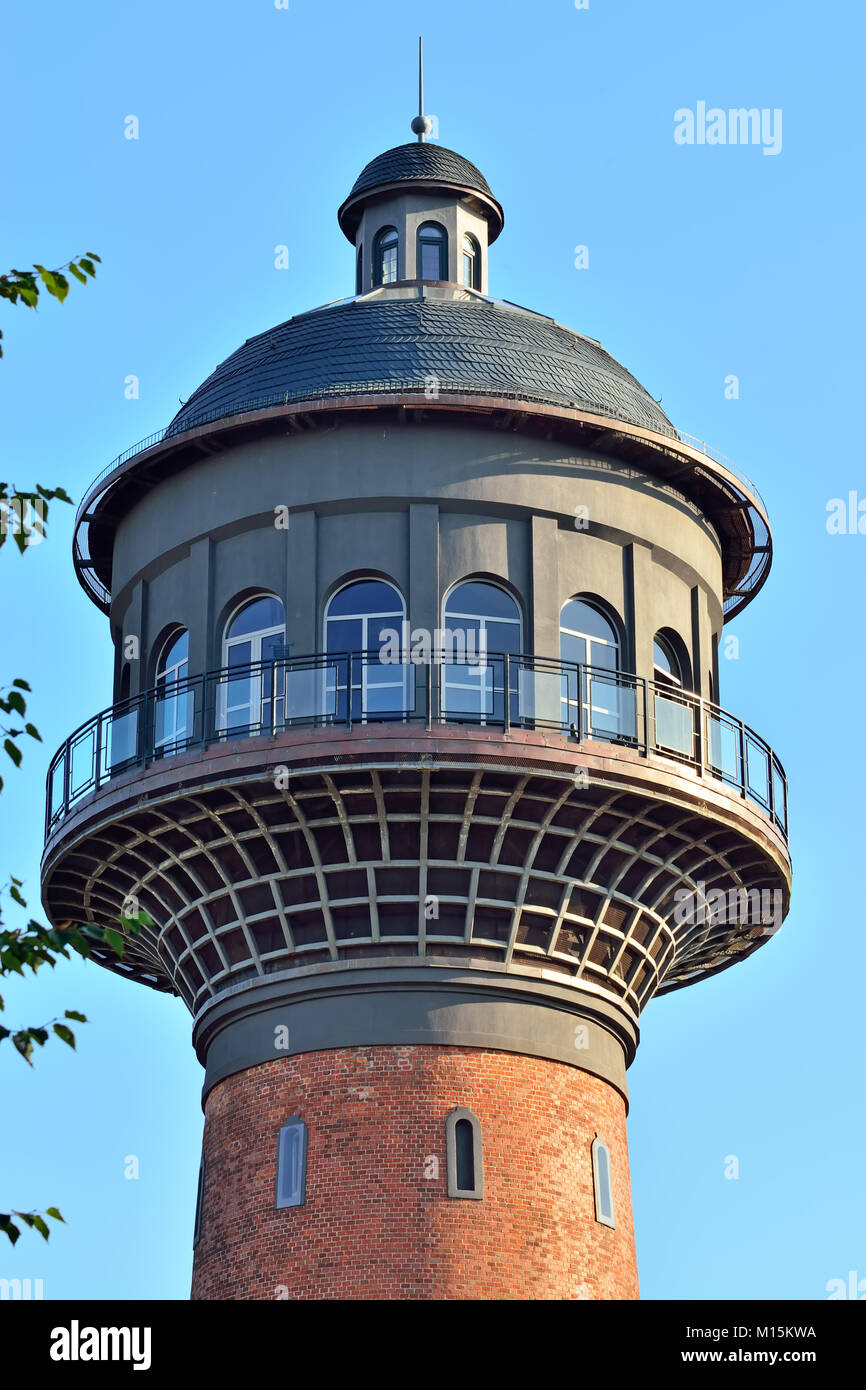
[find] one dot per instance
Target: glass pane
(465, 1156)
(584, 618)
(57, 779)
(779, 800)
(83, 765)
(430, 263)
(503, 637)
(602, 697)
(540, 694)
(723, 748)
(482, 600)
(366, 596)
(572, 648)
(177, 652)
(758, 766)
(602, 1168)
(123, 738)
(290, 1166)
(674, 725)
(239, 654)
(345, 634)
(261, 613)
(468, 690)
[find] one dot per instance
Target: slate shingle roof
(479, 347)
(420, 161)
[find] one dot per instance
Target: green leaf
(87, 265)
(4, 1033)
(16, 896)
(73, 1013)
(23, 1043)
(32, 730)
(16, 702)
(39, 1035)
(114, 940)
(9, 1227)
(54, 1214)
(65, 1034)
(73, 270)
(14, 753)
(21, 685)
(93, 256)
(41, 1226)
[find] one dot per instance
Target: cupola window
(471, 263)
(173, 704)
(432, 252)
(463, 1154)
(385, 257)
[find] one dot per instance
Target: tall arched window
(359, 270)
(594, 700)
(602, 1181)
(463, 1156)
(674, 716)
(481, 624)
(364, 618)
(253, 699)
(385, 256)
(470, 262)
(173, 707)
(432, 252)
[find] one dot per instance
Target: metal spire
(421, 125)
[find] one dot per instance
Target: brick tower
(416, 761)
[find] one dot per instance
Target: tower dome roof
(477, 346)
(420, 164)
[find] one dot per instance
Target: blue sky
(704, 262)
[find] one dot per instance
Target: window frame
(364, 684)
(474, 282)
(258, 699)
(476, 1192)
(179, 706)
(383, 237)
(449, 683)
(440, 240)
(294, 1123)
(603, 1217)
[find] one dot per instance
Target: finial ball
(422, 125)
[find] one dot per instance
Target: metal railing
(496, 690)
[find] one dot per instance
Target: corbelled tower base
(377, 1221)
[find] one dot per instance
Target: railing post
(646, 715)
(429, 684)
(699, 710)
(97, 752)
(349, 689)
(743, 773)
(507, 681)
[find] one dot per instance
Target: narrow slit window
(463, 1154)
(602, 1183)
(292, 1164)
(199, 1199)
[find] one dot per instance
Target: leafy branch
(24, 285)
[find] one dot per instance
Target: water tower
(417, 762)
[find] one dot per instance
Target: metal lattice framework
(486, 859)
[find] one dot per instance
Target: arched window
(292, 1164)
(385, 256)
(365, 618)
(253, 695)
(674, 714)
(359, 270)
(432, 252)
(592, 699)
(602, 1182)
(471, 263)
(463, 1154)
(670, 662)
(173, 707)
(481, 624)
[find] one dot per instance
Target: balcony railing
(346, 689)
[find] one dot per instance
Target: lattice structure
(508, 864)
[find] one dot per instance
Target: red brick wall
(373, 1226)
